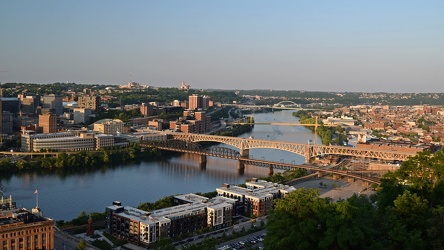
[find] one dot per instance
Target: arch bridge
(309, 151)
(194, 148)
(279, 104)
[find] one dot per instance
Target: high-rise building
(11, 104)
(89, 102)
(81, 115)
(7, 122)
(48, 122)
(194, 102)
(53, 103)
(28, 104)
(146, 109)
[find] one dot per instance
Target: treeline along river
(64, 194)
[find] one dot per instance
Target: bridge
(44, 154)
(309, 151)
(251, 106)
(194, 148)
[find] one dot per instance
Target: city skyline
(377, 46)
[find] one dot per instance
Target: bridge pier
(308, 154)
(320, 174)
(203, 162)
(365, 183)
(270, 171)
(336, 177)
(240, 167)
(350, 179)
(244, 153)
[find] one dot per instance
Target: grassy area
(115, 241)
(102, 244)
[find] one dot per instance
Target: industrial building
(23, 229)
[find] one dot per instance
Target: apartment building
(143, 228)
(257, 198)
(89, 102)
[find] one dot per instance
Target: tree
(295, 221)
(406, 222)
(303, 220)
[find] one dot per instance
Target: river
(64, 194)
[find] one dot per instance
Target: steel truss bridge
(194, 148)
(309, 151)
(191, 147)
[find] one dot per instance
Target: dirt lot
(335, 189)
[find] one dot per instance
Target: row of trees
(407, 212)
(81, 159)
(238, 129)
(286, 176)
(329, 135)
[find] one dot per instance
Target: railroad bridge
(309, 151)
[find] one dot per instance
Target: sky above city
(354, 46)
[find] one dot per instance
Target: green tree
(406, 222)
(295, 221)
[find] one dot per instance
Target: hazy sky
(387, 45)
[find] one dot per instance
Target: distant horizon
(329, 46)
(219, 89)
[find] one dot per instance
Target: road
(65, 241)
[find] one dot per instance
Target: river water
(64, 194)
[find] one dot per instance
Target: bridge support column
(350, 179)
(270, 171)
(336, 177)
(365, 183)
(244, 153)
(320, 174)
(307, 154)
(240, 167)
(203, 162)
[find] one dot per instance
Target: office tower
(48, 122)
(53, 102)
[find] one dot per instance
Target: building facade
(54, 103)
(7, 122)
(109, 126)
(81, 115)
(143, 228)
(146, 109)
(22, 229)
(89, 102)
(48, 123)
(257, 198)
